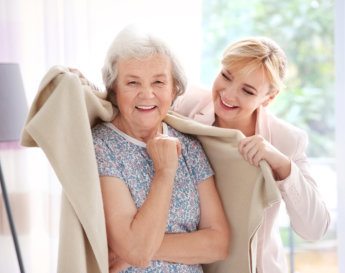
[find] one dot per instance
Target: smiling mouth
(228, 105)
(145, 108)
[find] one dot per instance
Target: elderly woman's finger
(76, 72)
(83, 79)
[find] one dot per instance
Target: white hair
(133, 42)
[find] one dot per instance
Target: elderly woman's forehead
(151, 63)
(141, 58)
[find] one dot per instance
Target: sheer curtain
(38, 34)
(340, 126)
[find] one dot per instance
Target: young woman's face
(236, 97)
(144, 91)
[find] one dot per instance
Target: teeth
(228, 105)
(145, 107)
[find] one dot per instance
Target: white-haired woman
(251, 76)
(162, 210)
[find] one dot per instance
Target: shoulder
(193, 156)
(286, 137)
(105, 137)
(100, 131)
(184, 138)
(189, 142)
(194, 100)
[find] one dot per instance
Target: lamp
(13, 111)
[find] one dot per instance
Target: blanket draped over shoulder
(60, 122)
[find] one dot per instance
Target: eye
(226, 77)
(132, 83)
(159, 83)
(248, 92)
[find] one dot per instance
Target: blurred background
(38, 34)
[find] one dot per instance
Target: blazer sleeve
(308, 213)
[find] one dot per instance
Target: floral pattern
(119, 156)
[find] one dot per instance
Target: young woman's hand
(256, 148)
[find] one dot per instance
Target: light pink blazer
(308, 214)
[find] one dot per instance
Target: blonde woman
(251, 76)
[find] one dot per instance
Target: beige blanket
(60, 121)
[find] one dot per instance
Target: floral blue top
(124, 157)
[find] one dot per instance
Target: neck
(141, 134)
(246, 126)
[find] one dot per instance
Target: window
(305, 31)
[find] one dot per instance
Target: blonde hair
(247, 55)
(134, 42)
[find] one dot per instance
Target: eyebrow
(161, 75)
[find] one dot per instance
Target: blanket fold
(60, 121)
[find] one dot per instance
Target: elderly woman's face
(144, 91)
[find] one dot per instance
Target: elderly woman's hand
(83, 79)
(164, 152)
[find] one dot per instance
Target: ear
(173, 94)
(270, 98)
(111, 94)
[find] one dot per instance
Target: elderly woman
(162, 210)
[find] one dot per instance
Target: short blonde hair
(247, 55)
(134, 42)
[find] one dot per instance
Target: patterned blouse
(124, 157)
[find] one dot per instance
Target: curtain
(340, 126)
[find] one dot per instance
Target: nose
(228, 92)
(146, 92)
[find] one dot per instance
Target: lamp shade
(13, 105)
